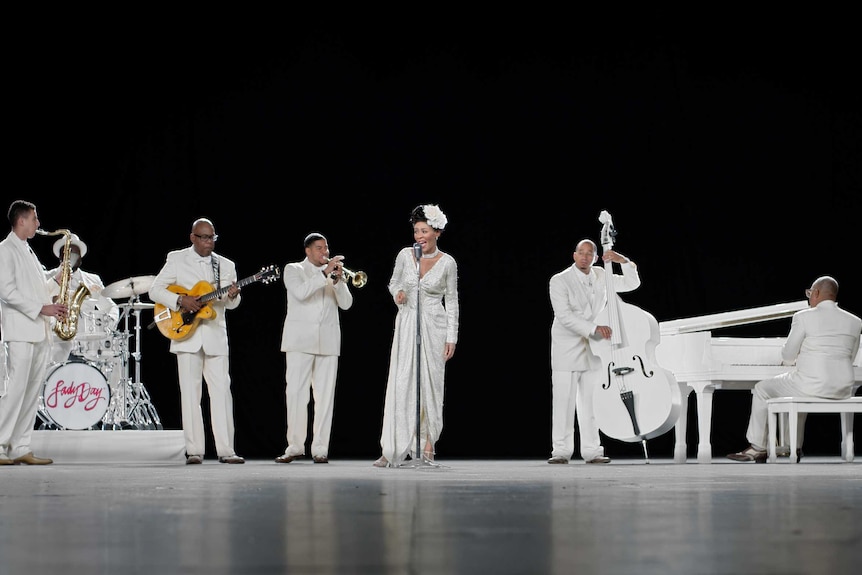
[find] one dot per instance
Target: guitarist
(203, 354)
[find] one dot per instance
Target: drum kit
(93, 388)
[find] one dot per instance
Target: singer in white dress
(434, 286)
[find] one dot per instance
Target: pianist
(821, 347)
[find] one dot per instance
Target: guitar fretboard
(221, 291)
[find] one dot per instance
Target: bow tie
(206, 260)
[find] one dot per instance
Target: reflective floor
(469, 516)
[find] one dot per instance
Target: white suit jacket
(23, 292)
(575, 309)
(183, 268)
(823, 341)
(312, 324)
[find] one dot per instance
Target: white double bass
(638, 399)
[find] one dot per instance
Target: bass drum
(76, 395)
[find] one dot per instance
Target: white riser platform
(121, 446)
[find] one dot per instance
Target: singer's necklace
(431, 255)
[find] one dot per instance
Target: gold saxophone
(67, 327)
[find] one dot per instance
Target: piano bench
(793, 406)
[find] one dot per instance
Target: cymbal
(129, 287)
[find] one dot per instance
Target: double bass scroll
(637, 399)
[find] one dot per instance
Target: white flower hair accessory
(435, 216)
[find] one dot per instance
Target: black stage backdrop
(730, 162)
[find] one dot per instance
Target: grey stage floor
(470, 516)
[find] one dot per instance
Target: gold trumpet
(358, 279)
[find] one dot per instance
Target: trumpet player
(311, 341)
(25, 312)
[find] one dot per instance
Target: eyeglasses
(206, 238)
(808, 292)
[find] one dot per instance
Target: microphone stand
(420, 461)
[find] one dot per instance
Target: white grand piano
(703, 363)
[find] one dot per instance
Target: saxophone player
(103, 309)
(25, 312)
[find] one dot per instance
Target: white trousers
(307, 374)
(192, 369)
(778, 386)
(26, 364)
(60, 350)
(572, 393)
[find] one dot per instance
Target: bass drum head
(76, 395)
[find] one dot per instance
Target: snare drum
(96, 350)
(76, 395)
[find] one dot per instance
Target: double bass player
(578, 295)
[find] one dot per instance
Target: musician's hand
(189, 303)
(233, 291)
(57, 310)
(604, 331)
(334, 266)
(612, 256)
(400, 297)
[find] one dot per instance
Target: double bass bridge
(625, 370)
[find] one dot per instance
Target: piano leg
(704, 420)
(848, 451)
(680, 449)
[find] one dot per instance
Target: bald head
(827, 286)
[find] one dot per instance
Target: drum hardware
(95, 337)
(107, 359)
(133, 408)
(93, 323)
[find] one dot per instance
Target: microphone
(417, 251)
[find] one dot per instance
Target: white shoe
(231, 459)
(288, 458)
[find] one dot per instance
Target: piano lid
(731, 318)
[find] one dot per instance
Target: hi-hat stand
(131, 407)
